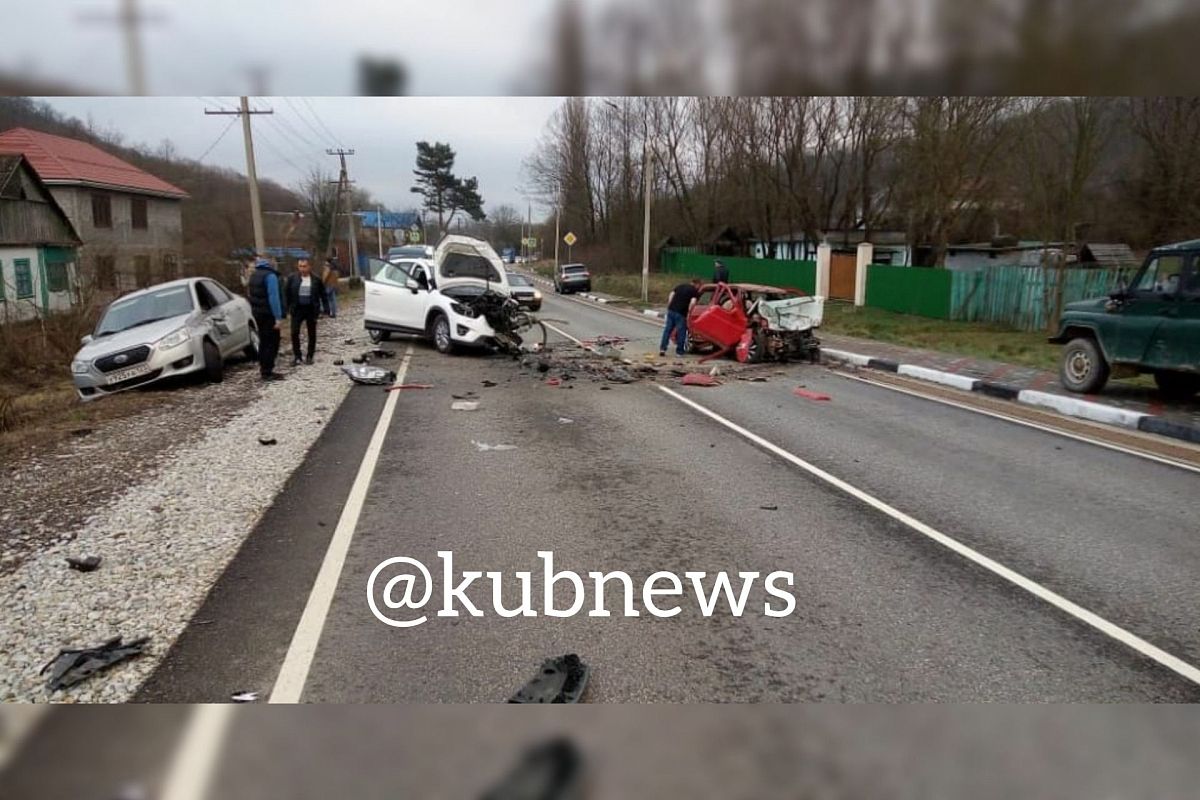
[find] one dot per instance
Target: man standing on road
(267, 306)
(720, 272)
(330, 276)
(305, 296)
(682, 298)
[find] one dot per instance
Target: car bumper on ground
(162, 363)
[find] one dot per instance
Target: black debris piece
(562, 679)
(543, 365)
(377, 353)
(266, 441)
(605, 388)
(349, 341)
(338, 362)
(86, 564)
(81, 431)
(467, 396)
(358, 360)
(489, 384)
(552, 770)
(70, 667)
(769, 508)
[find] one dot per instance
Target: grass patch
(630, 286)
(981, 340)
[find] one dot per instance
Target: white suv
(436, 297)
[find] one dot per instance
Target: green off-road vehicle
(1150, 325)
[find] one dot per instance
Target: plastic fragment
(86, 564)
(699, 379)
(483, 447)
(808, 394)
(266, 441)
(562, 679)
(70, 667)
(464, 405)
(552, 770)
(244, 697)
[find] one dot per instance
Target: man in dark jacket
(720, 272)
(305, 295)
(267, 306)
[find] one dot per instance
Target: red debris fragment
(409, 386)
(810, 395)
(699, 379)
(553, 381)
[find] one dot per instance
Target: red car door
(716, 323)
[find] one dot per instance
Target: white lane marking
(1170, 462)
(289, 686)
(563, 333)
(194, 763)
(1121, 635)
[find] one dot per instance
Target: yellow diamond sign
(570, 239)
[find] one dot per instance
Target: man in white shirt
(305, 296)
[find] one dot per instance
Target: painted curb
(1063, 404)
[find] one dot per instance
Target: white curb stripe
(937, 376)
(858, 359)
(1085, 409)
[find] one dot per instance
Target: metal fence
(1024, 297)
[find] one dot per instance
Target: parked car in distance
(1151, 325)
(176, 328)
(572, 278)
(440, 298)
(524, 291)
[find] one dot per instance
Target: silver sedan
(171, 329)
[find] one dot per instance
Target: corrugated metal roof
(57, 159)
(1110, 255)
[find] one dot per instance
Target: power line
(271, 146)
(298, 148)
(320, 136)
(296, 132)
(321, 122)
(232, 122)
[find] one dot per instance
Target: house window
(141, 269)
(170, 267)
(56, 277)
(3, 280)
(106, 272)
(101, 211)
(137, 209)
(24, 278)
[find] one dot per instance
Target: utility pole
(529, 231)
(646, 234)
(343, 183)
(379, 228)
(556, 214)
(245, 113)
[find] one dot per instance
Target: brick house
(130, 222)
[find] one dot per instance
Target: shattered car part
(244, 697)
(372, 376)
(266, 441)
(86, 564)
(70, 667)
(699, 379)
(562, 679)
(551, 771)
(464, 405)
(401, 386)
(808, 394)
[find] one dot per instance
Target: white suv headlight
(80, 367)
(174, 338)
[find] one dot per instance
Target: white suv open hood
(464, 261)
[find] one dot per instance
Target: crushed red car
(755, 323)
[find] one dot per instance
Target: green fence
(909, 290)
(1023, 297)
(772, 272)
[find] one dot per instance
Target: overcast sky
(464, 47)
(492, 135)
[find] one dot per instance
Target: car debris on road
(562, 679)
(371, 376)
(86, 564)
(464, 405)
(550, 771)
(484, 448)
(70, 667)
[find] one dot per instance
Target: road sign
(570, 239)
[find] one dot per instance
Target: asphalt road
(640, 481)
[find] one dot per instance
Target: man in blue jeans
(682, 298)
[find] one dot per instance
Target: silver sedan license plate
(126, 374)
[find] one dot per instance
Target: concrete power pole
(131, 19)
(343, 183)
(245, 112)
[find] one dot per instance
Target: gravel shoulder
(166, 497)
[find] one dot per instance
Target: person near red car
(679, 303)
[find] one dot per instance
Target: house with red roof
(129, 221)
